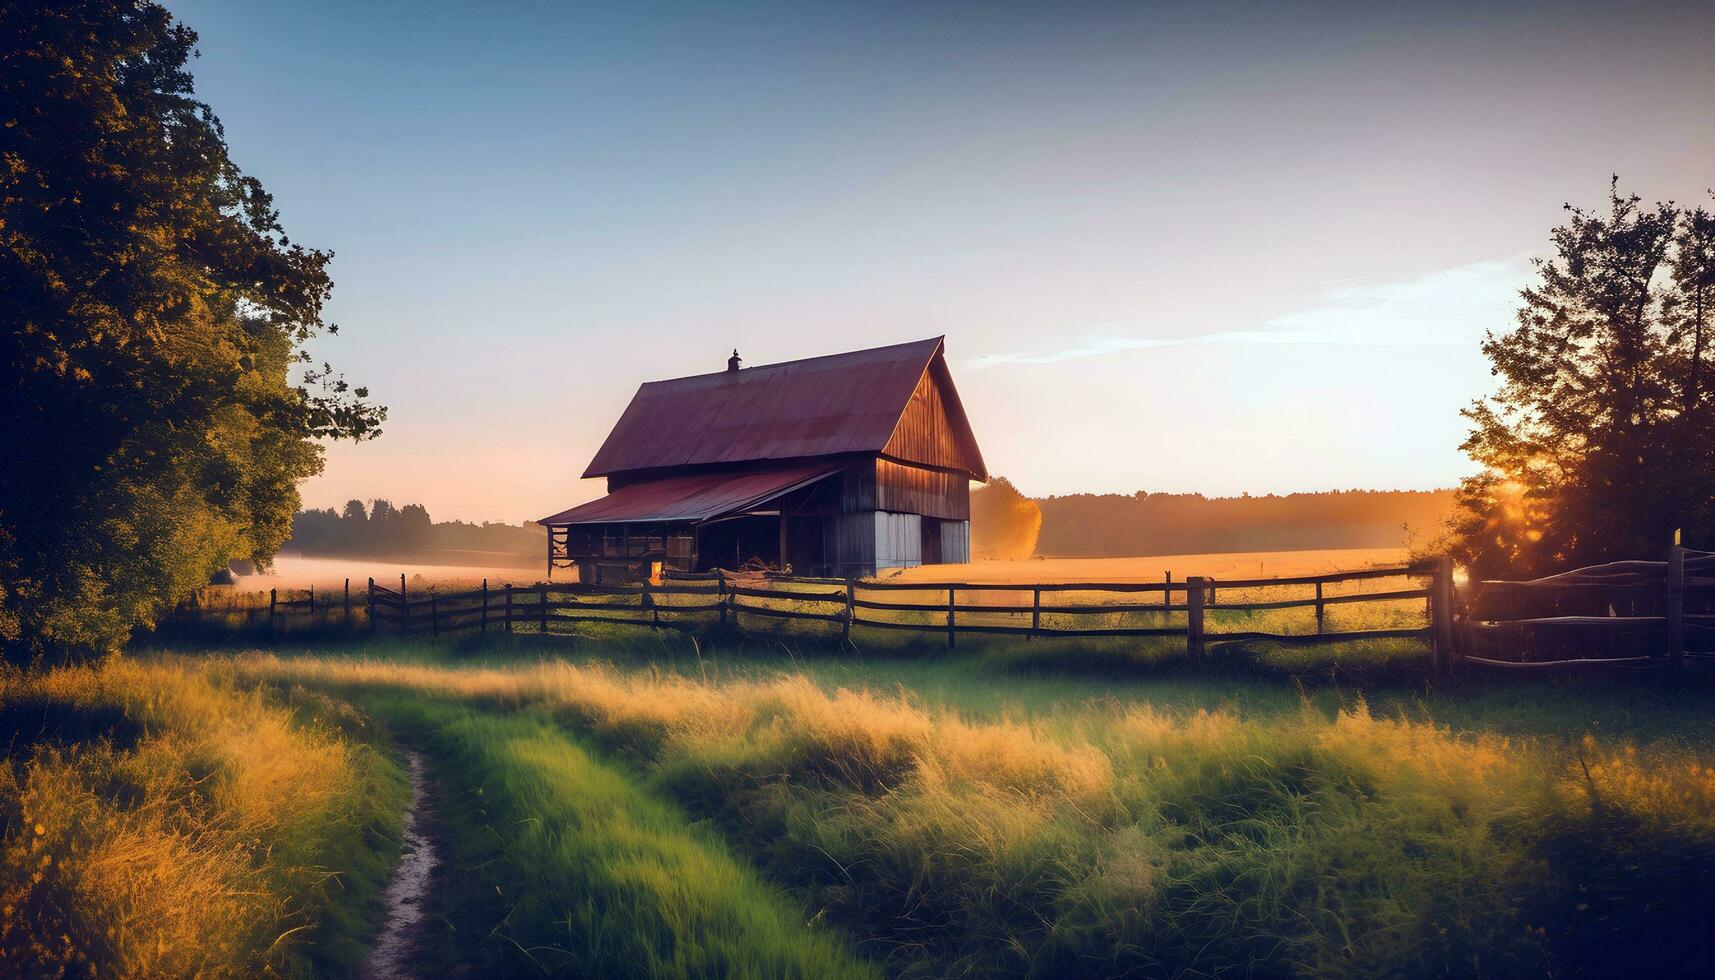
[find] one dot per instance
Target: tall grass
(157, 823)
(572, 869)
(1151, 841)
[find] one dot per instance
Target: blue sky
(1218, 248)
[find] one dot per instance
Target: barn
(839, 465)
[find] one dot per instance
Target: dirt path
(398, 950)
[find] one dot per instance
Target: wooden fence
(1626, 613)
(1203, 611)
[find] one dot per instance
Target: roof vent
(733, 363)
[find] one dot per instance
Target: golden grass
(158, 823)
(1137, 838)
(1236, 565)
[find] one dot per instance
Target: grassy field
(638, 803)
(999, 824)
(1236, 565)
(570, 867)
(158, 822)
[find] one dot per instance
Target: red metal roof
(820, 406)
(696, 497)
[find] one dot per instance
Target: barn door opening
(930, 547)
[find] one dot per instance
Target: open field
(1238, 565)
(979, 816)
(1129, 834)
(638, 803)
(328, 574)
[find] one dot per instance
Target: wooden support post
(401, 586)
(1035, 612)
(370, 607)
(273, 599)
(1167, 593)
(1675, 603)
(1321, 610)
(509, 607)
(347, 613)
(542, 597)
(724, 600)
(952, 627)
(484, 627)
(1441, 619)
(649, 603)
(1195, 592)
(851, 609)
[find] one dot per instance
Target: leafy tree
(1004, 522)
(1599, 443)
(160, 405)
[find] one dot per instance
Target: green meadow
(624, 803)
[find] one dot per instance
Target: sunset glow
(1213, 249)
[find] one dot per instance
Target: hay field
(1236, 565)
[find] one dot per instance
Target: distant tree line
(1112, 525)
(383, 530)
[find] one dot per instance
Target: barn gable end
(933, 430)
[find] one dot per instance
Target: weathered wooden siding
(899, 488)
(849, 546)
(914, 490)
(928, 433)
(898, 540)
(955, 542)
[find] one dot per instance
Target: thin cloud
(1451, 308)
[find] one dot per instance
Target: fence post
(1167, 593)
(1194, 595)
(401, 586)
(542, 594)
(720, 579)
(1441, 618)
(434, 615)
(347, 605)
(851, 608)
(484, 627)
(1035, 612)
(509, 607)
(649, 601)
(312, 601)
(952, 592)
(1676, 605)
(1320, 609)
(370, 607)
(273, 598)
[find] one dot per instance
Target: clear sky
(1208, 247)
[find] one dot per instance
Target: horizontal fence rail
(1621, 614)
(1203, 611)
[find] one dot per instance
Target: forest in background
(1116, 525)
(1004, 524)
(382, 530)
